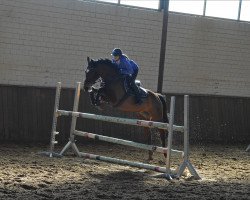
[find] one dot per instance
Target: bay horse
(153, 107)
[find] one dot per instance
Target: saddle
(143, 92)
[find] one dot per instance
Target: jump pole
(53, 141)
(186, 163)
(171, 127)
(127, 143)
(73, 123)
(118, 120)
(168, 174)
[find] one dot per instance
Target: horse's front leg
(92, 95)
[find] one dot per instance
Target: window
(214, 8)
(110, 1)
(245, 10)
(142, 3)
(186, 6)
(223, 9)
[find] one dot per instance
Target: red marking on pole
(157, 169)
(139, 122)
(150, 123)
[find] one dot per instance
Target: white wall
(207, 56)
(45, 41)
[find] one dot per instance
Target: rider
(128, 68)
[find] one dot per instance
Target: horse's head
(91, 74)
(103, 68)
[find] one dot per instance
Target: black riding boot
(136, 90)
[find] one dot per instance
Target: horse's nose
(86, 88)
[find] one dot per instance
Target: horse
(153, 107)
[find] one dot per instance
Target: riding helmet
(116, 52)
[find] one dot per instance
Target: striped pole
(119, 120)
(127, 143)
(125, 162)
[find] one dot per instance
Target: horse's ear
(88, 59)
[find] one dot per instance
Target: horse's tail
(164, 104)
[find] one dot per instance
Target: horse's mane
(106, 62)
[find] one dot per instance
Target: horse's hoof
(161, 162)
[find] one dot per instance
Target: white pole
(186, 127)
(119, 120)
(54, 123)
(170, 134)
(124, 162)
(73, 122)
(75, 109)
(127, 143)
(186, 163)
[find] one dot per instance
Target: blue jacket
(126, 66)
(134, 66)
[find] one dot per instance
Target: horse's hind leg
(148, 135)
(163, 139)
(163, 133)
